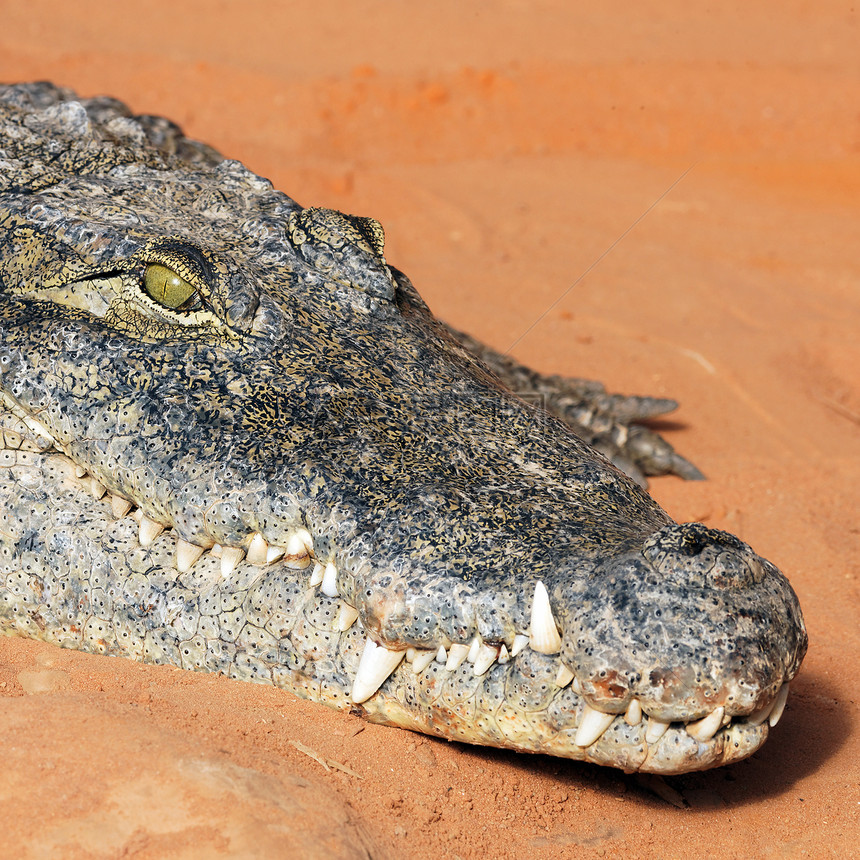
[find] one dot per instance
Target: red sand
(507, 147)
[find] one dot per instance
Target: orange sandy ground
(507, 148)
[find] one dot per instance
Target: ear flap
(346, 249)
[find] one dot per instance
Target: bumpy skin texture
(300, 392)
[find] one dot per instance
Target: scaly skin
(343, 483)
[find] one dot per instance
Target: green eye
(169, 289)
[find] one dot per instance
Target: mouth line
(379, 661)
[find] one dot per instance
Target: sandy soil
(666, 200)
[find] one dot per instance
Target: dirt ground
(663, 198)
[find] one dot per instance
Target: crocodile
(235, 439)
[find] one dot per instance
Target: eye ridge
(167, 287)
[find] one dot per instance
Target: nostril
(697, 556)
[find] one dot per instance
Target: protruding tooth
(186, 555)
(576, 686)
(422, 660)
(487, 655)
(656, 729)
(633, 714)
(96, 488)
(564, 676)
(300, 542)
(149, 531)
(456, 656)
(80, 471)
(474, 647)
(504, 656)
(216, 550)
(778, 705)
(376, 664)
(594, 723)
(441, 655)
(520, 642)
(273, 553)
(329, 581)
(759, 716)
(317, 575)
(543, 634)
(231, 556)
(703, 730)
(411, 651)
(257, 549)
(346, 617)
(119, 506)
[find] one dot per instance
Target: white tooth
(376, 664)
(410, 653)
(504, 656)
(487, 655)
(474, 647)
(300, 542)
(656, 729)
(441, 655)
(422, 660)
(273, 553)
(633, 714)
(217, 549)
(346, 617)
(186, 554)
(149, 531)
(329, 581)
(576, 686)
(703, 730)
(520, 642)
(97, 489)
(564, 676)
(317, 575)
(456, 656)
(257, 549)
(80, 471)
(543, 634)
(759, 716)
(119, 506)
(231, 556)
(594, 724)
(778, 706)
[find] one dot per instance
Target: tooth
(756, 718)
(186, 554)
(119, 506)
(543, 634)
(149, 531)
(411, 651)
(633, 714)
(485, 658)
(656, 729)
(703, 730)
(576, 686)
(96, 488)
(422, 660)
(216, 550)
(441, 655)
(231, 556)
(329, 581)
(520, 642)
(346, 617)
(504, 656)
(376, 664)
(564, 676)
(300, 542)
(273, 553)
(594, 724)
(474, 647)
(257, 550)
(317, 575)
(778, 706)
(80, 471)
(456, 656)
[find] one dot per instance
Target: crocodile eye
(170, 289)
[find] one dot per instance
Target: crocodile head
(253, 377)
